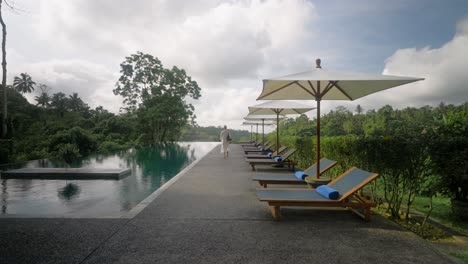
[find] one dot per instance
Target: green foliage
(111, 146)
(157, 95)
(304, 154)
(24, 83)
(461, 255)
(84, 141)
(449, 152)
(67, 152)
(397, 144)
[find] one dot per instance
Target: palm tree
(24, 84)
(75, 102)
(59, 103)
(44, 98)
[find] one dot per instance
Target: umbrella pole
(263, 131)
(277, 132)
(318, 141)
(256, 135)
(251, 132)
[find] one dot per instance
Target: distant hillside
(211, 133)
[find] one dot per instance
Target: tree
(157, 95)
(75, 102)
(59, 102)
(140, 72)
(24, 83)
(4, 71)
(43, 99)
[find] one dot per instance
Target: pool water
(151, 168)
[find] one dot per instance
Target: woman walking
(225, 140)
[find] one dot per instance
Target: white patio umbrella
(279, 108)
(255, 123)
(262, 118)
(321, 84)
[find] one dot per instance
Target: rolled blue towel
(328, 192)
(262, 149)
(278, 159)
(300, 175)
(269, 154)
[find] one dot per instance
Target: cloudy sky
(228, 47)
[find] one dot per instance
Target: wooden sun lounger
(284, 157)
(253, 147)
(264, 156)
(346, 184)
(267, 148)
(265, 179)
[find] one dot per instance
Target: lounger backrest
(351, 181)
(269, 146)
(288, 154)
(325, 164)
(281, 149)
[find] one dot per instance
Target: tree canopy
(157, 96)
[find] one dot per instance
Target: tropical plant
(75, 103)
(449, 152)
(43, 99)
(24, 83)
(157, 95)
(59, 102)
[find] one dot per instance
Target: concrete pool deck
(211, 215)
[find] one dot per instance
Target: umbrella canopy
(320, 84)
(279, 108)
(255, 123)
(262, 118)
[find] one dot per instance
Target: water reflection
(4, 196)
(151, 167)
(69, 192)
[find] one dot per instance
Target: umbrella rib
(327, 88)
(286, 85)
(335, 83)
(305, 89)
(313, 88)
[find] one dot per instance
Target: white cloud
(223, 45)
(226, 46)
(93, 82)
(444, 70)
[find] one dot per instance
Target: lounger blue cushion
(300, 175)
(269, 154)
(328, 192)
(278, 159)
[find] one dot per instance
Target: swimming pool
(151, 168)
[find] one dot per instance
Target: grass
(461, 255)
(441, 212)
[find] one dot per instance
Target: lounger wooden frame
(254, 145)
(264, 156)
(268, 148)
(284, 157)
(264, 183)
(350, 200)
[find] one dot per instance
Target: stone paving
(211, 215)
